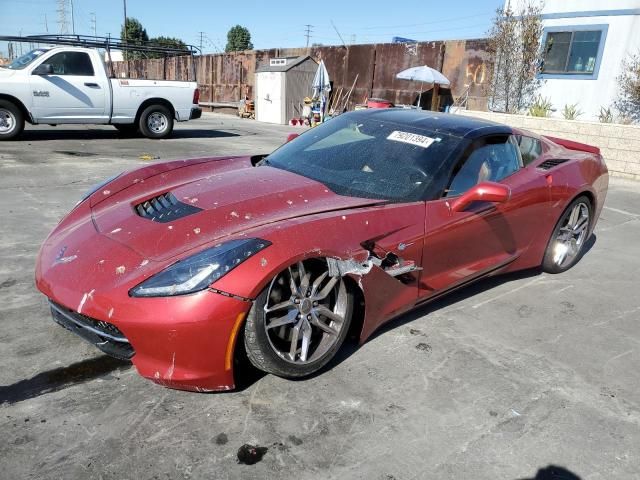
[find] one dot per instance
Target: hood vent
(165, 208)
(549, 164)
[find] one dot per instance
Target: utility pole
(308, 33)
(125, 20)
(201, 41)
(73, 21)
(93, 24)
(62, 17)
(46, 24)
(125, 56)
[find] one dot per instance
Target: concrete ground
(500, 381)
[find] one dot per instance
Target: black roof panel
(458, 125)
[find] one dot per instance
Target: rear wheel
(299, 322)
(568, 239)
(156, 121)
(11, 120)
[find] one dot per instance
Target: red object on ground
(379, 103)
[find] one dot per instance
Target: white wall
(622, 39)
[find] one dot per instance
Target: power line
(308, 33)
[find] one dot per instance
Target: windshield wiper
(264, 162)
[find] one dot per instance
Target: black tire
(11, 120)
(127, 129)
(261, 352)
(156, 121)
(550, 263)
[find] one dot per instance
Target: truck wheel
(156, 121)
(11, 120)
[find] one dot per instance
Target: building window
(572, 52)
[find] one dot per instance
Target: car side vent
(549, 164)
(165, 208)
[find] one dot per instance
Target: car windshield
(361, 156)
(21, 62)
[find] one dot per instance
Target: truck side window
(530, 148)
(71, 63)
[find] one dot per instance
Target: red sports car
(339, 230)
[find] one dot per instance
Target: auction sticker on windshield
(411, 138)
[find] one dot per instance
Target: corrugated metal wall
(228, 77)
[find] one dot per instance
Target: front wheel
(11, 120)
(568, 239)
(299, 322)
(156, 121)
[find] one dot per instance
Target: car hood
(231, 198)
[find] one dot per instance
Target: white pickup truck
(70, 85)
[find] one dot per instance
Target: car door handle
(91, 84)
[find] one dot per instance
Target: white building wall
(622, 18)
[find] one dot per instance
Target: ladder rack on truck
(110, 44)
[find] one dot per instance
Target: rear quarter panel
(129, 94)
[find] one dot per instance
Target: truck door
(73, 93)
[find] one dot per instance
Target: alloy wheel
(305, 312)
(571, 235)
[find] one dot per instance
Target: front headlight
(197, 272)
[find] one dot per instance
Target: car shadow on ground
(104, 134)
(554, 472)
(60, 378)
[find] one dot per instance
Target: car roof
(457, 125)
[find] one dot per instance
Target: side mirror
(43, 69)
(482, 192)
(292, 136)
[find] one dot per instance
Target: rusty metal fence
(228, 77)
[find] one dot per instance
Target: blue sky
(271, 23)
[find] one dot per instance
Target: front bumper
(103, 335)
(196, 113)
(183, 342)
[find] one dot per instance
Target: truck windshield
(21, 62)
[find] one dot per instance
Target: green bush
(542, 107)
(571, 112)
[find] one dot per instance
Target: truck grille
(104, 335)
(165, 208)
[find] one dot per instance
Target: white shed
(281, 87)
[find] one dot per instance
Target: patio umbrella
(321, 86)
(424, 74)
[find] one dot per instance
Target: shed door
(269, 97)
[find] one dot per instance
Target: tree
(514, 42)
(133, 33)
(238, 38)
(628, 102)
(170, 42)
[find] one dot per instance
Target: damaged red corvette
(356, 221)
